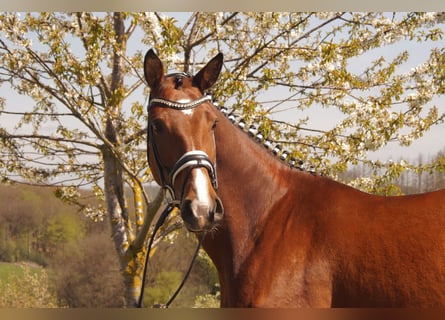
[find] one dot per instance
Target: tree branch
(5, 135)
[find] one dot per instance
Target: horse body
(291, 238)
(288, 238)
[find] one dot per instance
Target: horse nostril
(219, 207)
(186, 208)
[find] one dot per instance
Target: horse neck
(250, 184)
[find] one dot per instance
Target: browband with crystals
(179, 105)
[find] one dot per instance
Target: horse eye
(158, 126)
(214, 124)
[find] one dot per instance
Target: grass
(14, 269)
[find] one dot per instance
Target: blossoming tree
(83, 121)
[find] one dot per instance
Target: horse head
(181, 144)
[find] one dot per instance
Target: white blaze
(201, 188)
(188, 112)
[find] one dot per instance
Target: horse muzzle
(201, 208)
(201, 216)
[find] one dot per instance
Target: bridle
(190, 160)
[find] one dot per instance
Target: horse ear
(208, 75)
(153, 68)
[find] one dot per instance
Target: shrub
(27, 289)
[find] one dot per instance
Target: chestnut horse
(282, 237)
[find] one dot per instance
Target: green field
(14, 269)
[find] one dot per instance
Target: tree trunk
(131, 257)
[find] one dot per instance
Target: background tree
(84, 124)
(73, 67)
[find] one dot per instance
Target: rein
(190, 160)
(168, 209)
